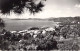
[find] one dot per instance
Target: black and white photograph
(44, 25)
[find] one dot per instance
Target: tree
(17, 6)
(2, 24)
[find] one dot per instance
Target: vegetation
(2, 24)
(17, 6)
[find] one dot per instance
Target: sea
(18, 25)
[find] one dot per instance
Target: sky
(53, 8)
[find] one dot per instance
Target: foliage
(47, 44)
(17, 6)
(34, 28)
(69, 30)
(2, 23)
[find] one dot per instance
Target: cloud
(77, 5)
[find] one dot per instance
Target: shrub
(34, 28)
(2, 25)
(47, 44)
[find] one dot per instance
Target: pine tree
(17, 6)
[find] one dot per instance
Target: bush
(34, 28)
(27, 36)
(47, 44)
(2, 25)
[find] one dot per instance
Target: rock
(44, 32)
(61, 38)
(50, 29)
(13, 31)
(34, 36)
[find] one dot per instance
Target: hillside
(64, 19)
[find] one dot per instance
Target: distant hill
(18, 19)
(28, 19)
(65, 19)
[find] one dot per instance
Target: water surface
(25, 24)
